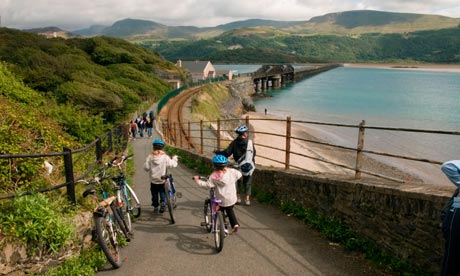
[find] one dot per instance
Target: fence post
(180, 134)
(175, 133)
(201, 136)
(98, 149)
(165, 134)
(288, 143)
(247, 121)
(189, 140)
(359, 150)
(218, 134)
(110, 139)
(68, 165)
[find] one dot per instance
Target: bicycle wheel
(107, 238)
(119, 222)
(133, 202)
(169, 203)
(219, 231)
(124, 213)
(207, 214)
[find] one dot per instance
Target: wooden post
(201, 136)
(247, 121)
(180, 135)
(68, 165)
(359, 150)
(175, 133)
(98, 149)
(189, 140)
(288, 143)
(218, 134)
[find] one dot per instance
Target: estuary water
(382, 97)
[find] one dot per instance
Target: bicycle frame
(216, 222)
(171, 195)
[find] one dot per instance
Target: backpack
(246, 162)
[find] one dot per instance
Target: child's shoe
(162, 207)
(248, 202)
(235, 228)
(238, 201)
(155, 210)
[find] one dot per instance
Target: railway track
(175, 118)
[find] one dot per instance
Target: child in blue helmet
(156, 164)
(224, 180)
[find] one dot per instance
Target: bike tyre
(134, 204)
(219, 233)
(119, 222)
(207, 212)
(169, 204)
(125, 214)
(107, 239)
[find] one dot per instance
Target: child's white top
(225, 185)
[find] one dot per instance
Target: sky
(78, 14)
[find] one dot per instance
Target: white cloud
(73, 14)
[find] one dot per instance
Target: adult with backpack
(451, 222)
(243, 151)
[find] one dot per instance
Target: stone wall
(402, 218)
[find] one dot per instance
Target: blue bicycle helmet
(219, 160)
(158, 144)
(242, 129)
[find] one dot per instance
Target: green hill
(99, 75)
(345, 23)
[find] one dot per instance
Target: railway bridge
(277, 75)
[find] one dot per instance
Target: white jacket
(225, 184)
(157, 163)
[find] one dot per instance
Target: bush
(38, 222)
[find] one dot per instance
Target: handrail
(68, 164)
(214, 136)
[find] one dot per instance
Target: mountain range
(347, 22)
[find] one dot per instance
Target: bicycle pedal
(178, 194)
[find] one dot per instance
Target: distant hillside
(263, 45)
(344, 23)
(51, 32)
(367, 21)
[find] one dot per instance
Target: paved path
(267, 243)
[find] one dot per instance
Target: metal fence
(113, 140)
(206, 136)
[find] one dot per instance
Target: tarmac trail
(267, 243)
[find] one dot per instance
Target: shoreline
(452, 68)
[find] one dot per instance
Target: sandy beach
(454, 68)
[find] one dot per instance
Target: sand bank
(455, 68)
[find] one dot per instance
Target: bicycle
(109, 226)
(214, 218)
(126, 197)
(171, 195)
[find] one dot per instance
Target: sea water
(382, 97)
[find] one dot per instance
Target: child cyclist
(156, 164)
(224, 180)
